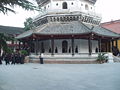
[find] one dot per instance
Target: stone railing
(67, 11)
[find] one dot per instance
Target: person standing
(16, 58)
(22, 57)
(7, 59)
(0, 59)
(13, 59)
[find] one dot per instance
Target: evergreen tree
(3, 40)
(8, 5)
(28, 24)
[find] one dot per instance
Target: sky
(109, 9)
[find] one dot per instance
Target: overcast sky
(109, 9)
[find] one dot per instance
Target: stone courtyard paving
(60, 77)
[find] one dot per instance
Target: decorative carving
(67, 18)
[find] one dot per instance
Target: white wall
(69, 3)
(46, 8)
(94, 45)
(82, 45)
(58, 44)
(90, 6)
(47, 45)
(78, 5)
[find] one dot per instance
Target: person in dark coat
(13, 59)
(7, 59)
(22, 57)
(0, 59)
(17, 58)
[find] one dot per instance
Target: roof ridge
(86, 26)
(110, 30)
(109, 22)
(11, 26)
(40, 28)
(29, 31)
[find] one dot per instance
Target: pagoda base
(65, 59)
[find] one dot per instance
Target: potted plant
(24, 52)
(8, 50)
(102, 58)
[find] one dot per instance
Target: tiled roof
(11, 30)
(70, 28)
(112, 25)
(25, 34)
(63, 28)
(104, 32)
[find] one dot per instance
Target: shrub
(24, 52)
(8, 50)
(102, 58)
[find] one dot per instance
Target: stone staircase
(116, 58)
(65, 59)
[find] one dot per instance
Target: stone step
(64, 62)
(70, 62)
(116, 59)
(64, 59)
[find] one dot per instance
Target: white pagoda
(67, 10)
(68, 30)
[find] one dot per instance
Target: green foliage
(24, 52)
(3, 40)
(8, 5)
(101, 57)
(28, 24)
(5, 37)
(8, 50)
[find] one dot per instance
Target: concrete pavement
(60, 77)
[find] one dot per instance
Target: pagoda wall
(72, 6)
(81, 44)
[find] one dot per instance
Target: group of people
(14, 58)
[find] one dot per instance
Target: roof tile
(112, 25)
